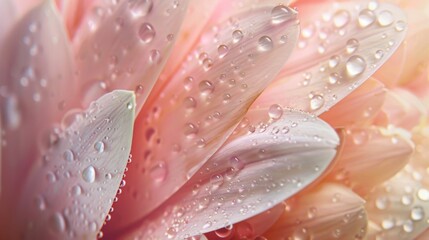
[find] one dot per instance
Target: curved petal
(398, 208)
(358, 108)
(370, 156)
(341, 45)
(36, 89)
(327, 212)
(125, 46)
(73, 13)
(248, 175)
(72, 187)
(7, 18)
(182, 126)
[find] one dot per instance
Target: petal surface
(125, 46)
(328, 211)
(72, 187)
(341, 45)
(8, 16)
(36, 90)
(248, 175)
(370, 156)
(181, 127)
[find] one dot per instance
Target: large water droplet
(279, 14)
(222, 50)
(423, 194)
(275, 111)
(58, 223)
(385, 18)
(316, 102)
(352, 45)
(140, 8)
(265, 44)
(155, 56)
(99, 146)
(146, 32)
(237, 35)
(88, 174)
(341, 18)
(417, 213)
(12, 114)
(206, 87)
(189, 103)
(355, 66)
(68, 155)
(400, 26)
(76, 190)
(366, 18)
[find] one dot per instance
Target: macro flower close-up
(214, 119)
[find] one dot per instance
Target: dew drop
(206, 87)
(189, 103)
(423, 194)
(236, 163)
(222, 50)
(341, 18)
(400, 26)
(333, 61)
(99, 146)
(40, 203)
(265, 44)
(316, 102)
(158, 172)
(68, 155)
(385, 18)
(223, 232)
(333, 78)
(76, 190)
(171, 233)
(279, 14)
(146, 32)
(417, 213)
(155, 56)
(379, 54)
(275, 112)
(12, 114)
(88, 174)
(366, 18)
(355, 66)
(352, 45)
(237, 35)
(58, 222)
(140, 8)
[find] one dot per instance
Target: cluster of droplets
(340, 67)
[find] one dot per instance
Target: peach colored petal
(73, 13)
(203, 103)
(125, 46)
(37, 88)
(329, 211)
(248, 175)
(336, 53)
(358, 108)
(402, 109)
(369, 157)
(71, 188)
(398, 208)
(250, 228)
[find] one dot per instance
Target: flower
(217, 126)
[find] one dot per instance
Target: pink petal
(336, 53)
(7, 18)
(73, 13)
(402, 109)
(72, 187)
(327, 212)
(398, 208)
(370, 156)
(36, 89)
(358, 108)
(248, 175)
(182, 126)
(250, 228)
(125, 46)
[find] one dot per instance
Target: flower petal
(73, 13)
(36, 89)
(341, 45)
(126, 45)
(358, 108)
(398, 208)
(202, 104)
(248, 175)
(329, 211)
(71, 189)
(370, 156)
(7, 18)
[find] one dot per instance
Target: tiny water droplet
(237, 35)
(146, 32)
(68, 155)
(222, 50)
(352, 45)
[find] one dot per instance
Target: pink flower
(210, 128)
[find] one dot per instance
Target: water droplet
(352, 45)
(333, 61)
(400, 26)
(279, 14)
(12, 114)
(408, 226)
(88, 174)
(333, 78)
(275, 111)
(223, 232)
(417, 213)
(387, 223)
(206, 87)
(40, 203)
(76, 190)
(222, 50)
(385, 18)
(355, 66)
(316, 102)
(58, 222)
(366, 18)
(146, 33)
(236, 163)
(159, 172)
(140, 8)
(265, 44)
(171, 233)
(189, 103)
(190, 130)
(155, 56)
(341, 18)
(99, 146)
(207, 64)
(379, 54)
(208, 224)
(50, 176)
(216, 181)
(68, 155)
(187, 83)
(237, 35)
(423, 194)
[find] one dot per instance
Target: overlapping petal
(72, 187)
(181, 127)
(341, 45)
